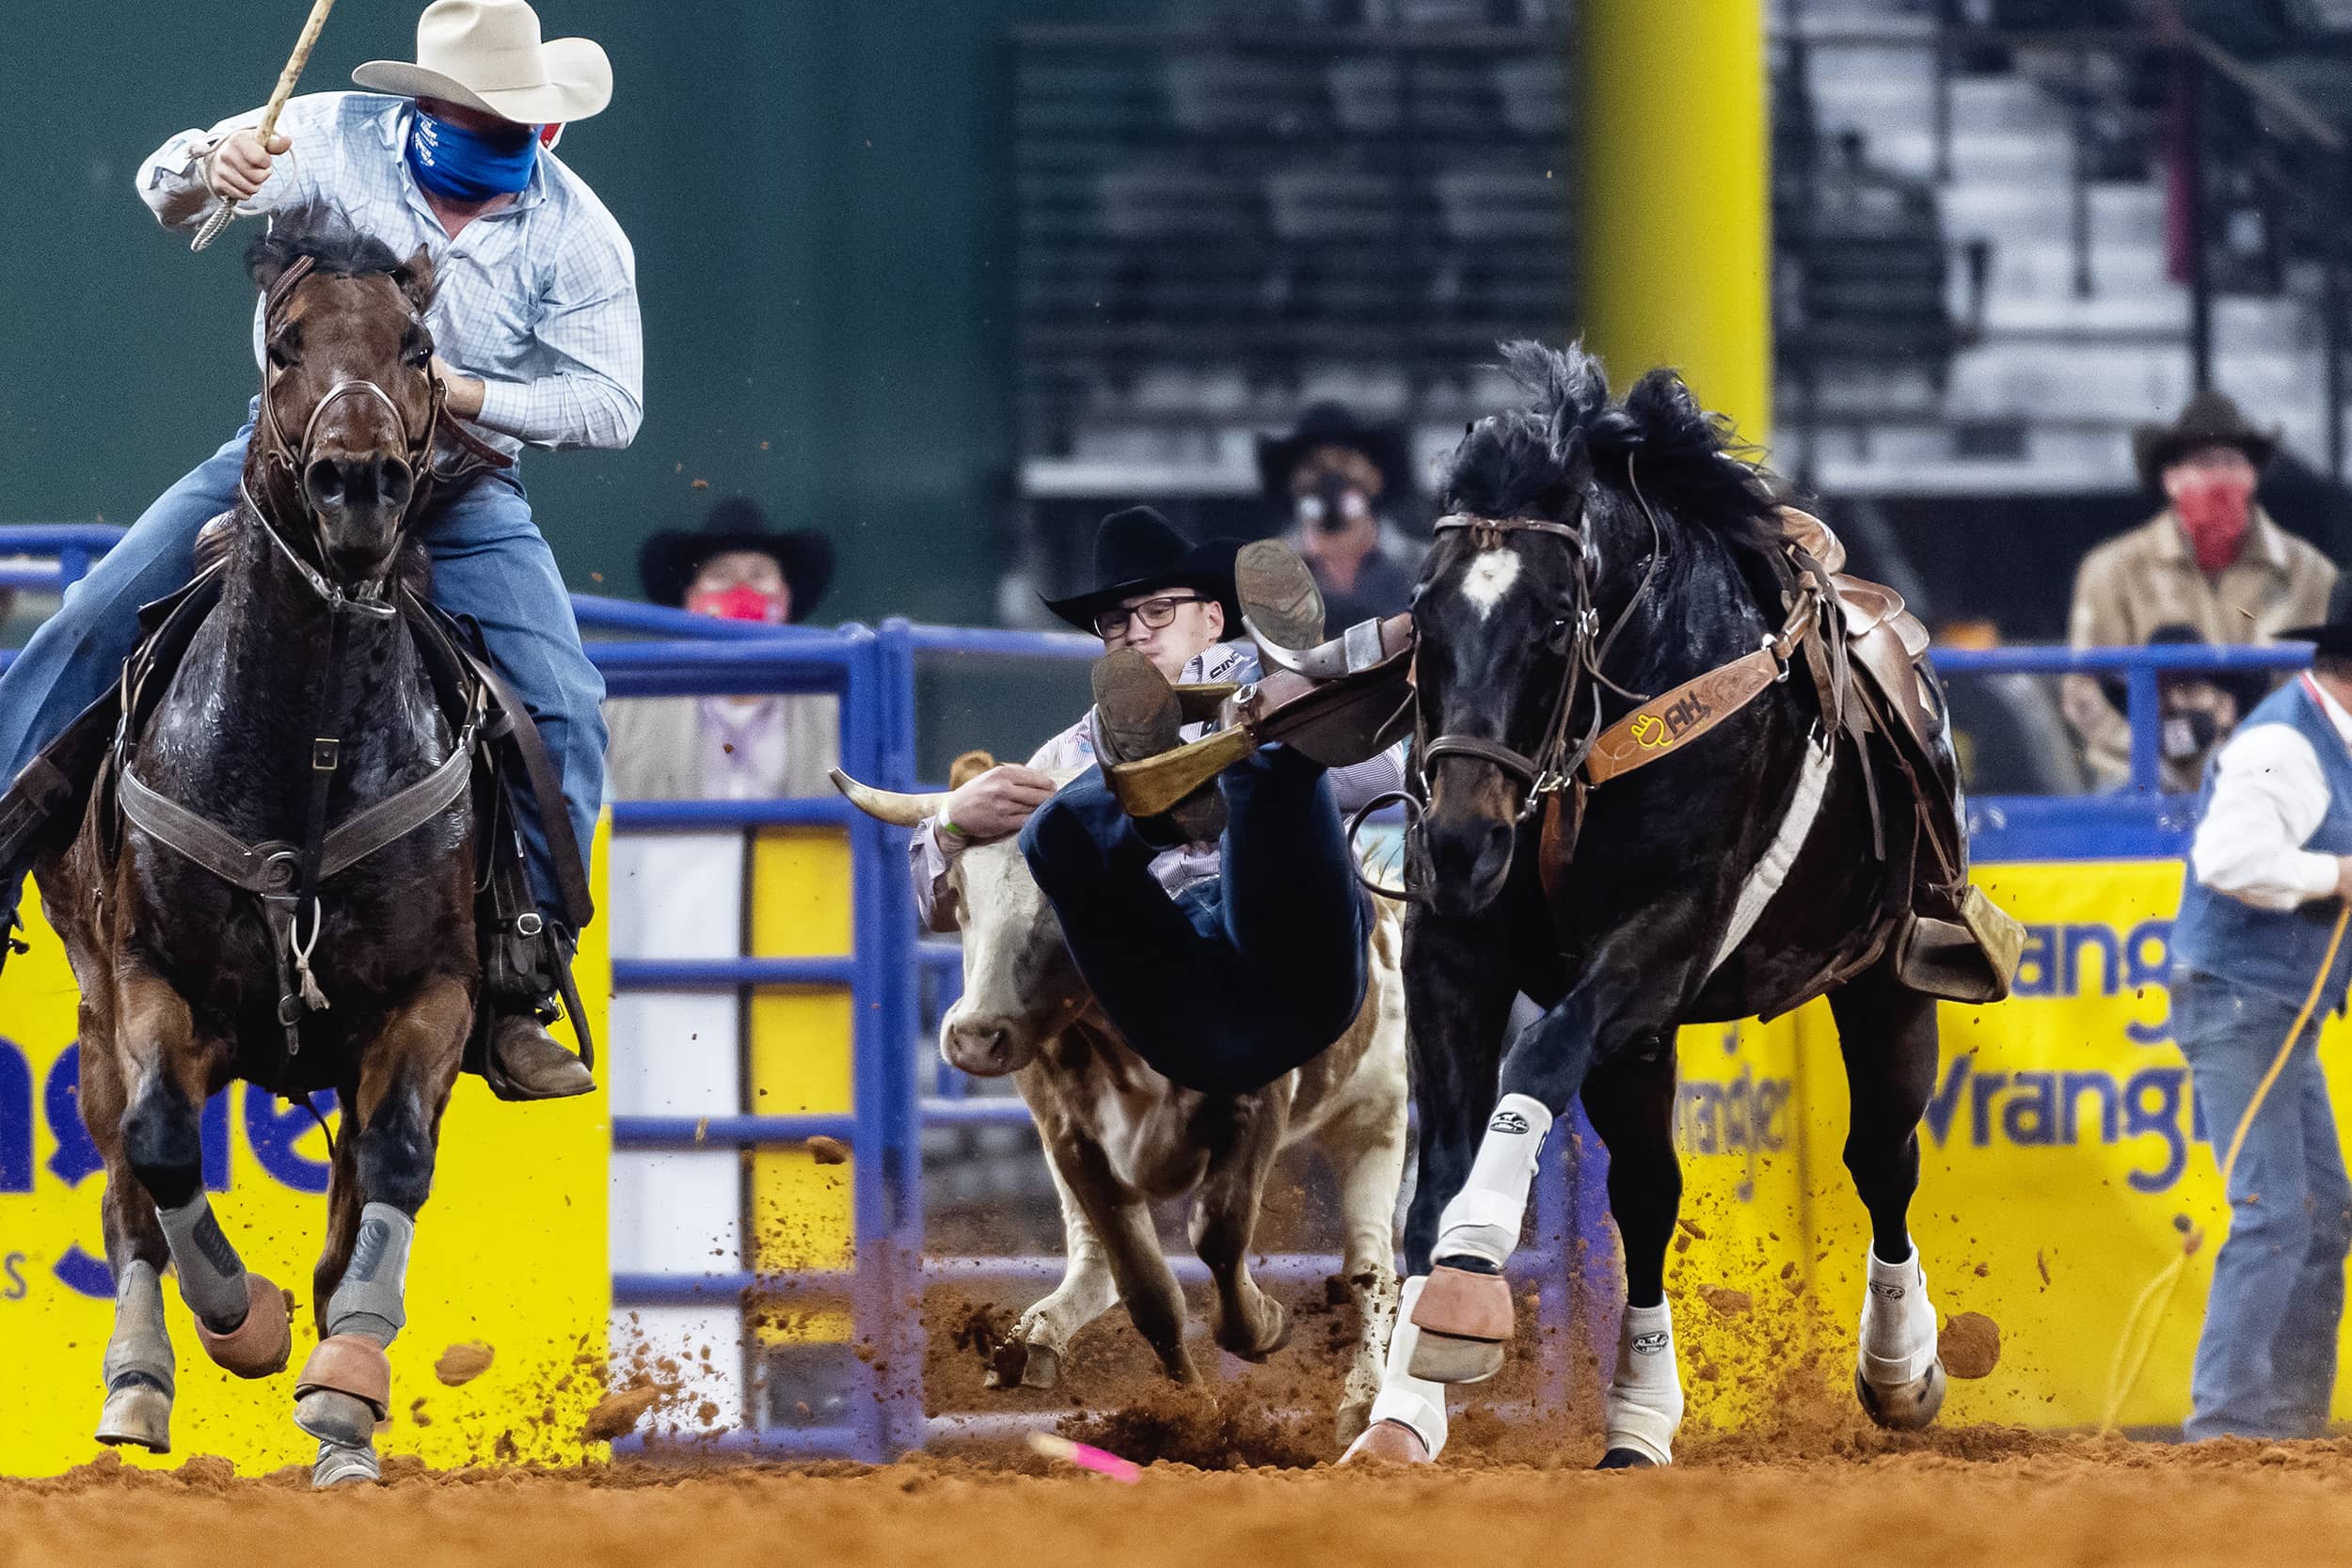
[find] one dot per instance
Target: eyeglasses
(1155, 614)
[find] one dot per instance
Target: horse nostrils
(357, 484)
(1468, 858)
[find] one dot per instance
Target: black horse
(287, 894)
(1596, 552)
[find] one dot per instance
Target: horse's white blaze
(1489, 577)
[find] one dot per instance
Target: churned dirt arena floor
(1968, 1496)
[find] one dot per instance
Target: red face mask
(2214, 510)
(742, 602)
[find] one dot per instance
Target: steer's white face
(1021, 988)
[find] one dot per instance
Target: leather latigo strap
(1663, 725)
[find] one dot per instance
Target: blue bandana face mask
(459, 165)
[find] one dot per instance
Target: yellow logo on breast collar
(1648, 730)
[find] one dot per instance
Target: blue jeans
(1234, 981)
(489, 564)
(2267, 1357)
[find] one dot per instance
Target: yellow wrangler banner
(509, 1251)
(2060, 1149)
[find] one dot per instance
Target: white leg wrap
(1482, 1219)
(368, 1299)
(1898, 1323)
(1416, 1402)
(1644, 1404)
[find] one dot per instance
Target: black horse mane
(1537, 461)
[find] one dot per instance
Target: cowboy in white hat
(537, 338)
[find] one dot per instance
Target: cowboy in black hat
(1224, 931)
(1331, 480)
(737, 567)
(2212, 561)
(2256, 942)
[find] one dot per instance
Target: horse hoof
(345, 1464)
(336, 1419)
(1626, 1458)
(1017, 1364)
(1903, 1407)
(259, 1346)
(1465, 1320)
(1388, 1443)
(354, 1367)
(1263, 1348)
(137, 1413)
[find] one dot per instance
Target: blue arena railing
(873, 671)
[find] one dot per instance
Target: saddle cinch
(524, 956)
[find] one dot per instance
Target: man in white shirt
(1226, 938)
(2269, 870)
(535, 325)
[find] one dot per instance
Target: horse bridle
(1552, 770)
(293, 460)
(1553, 767)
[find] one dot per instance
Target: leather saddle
(1952, 941)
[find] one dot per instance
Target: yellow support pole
(1676, 230)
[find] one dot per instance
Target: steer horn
(886, 806)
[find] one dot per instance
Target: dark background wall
(813, 189)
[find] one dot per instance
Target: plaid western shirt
(538, 300)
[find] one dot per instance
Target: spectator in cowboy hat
(1338, 483)
(733, 567)
(2212, 561)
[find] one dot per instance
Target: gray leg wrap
(141, 1345)
(368, 1301)
(212, 1275)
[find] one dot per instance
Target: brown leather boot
(528, 1064)
(1137, 715)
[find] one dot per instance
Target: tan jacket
(657, 746)
(2131, 585)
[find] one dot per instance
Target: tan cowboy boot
(529, 1065)
(1137, 715)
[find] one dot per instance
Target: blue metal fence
(873, 671)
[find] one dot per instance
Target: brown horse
(274, 880)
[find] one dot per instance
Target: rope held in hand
(2146, 1314)
(212, 225)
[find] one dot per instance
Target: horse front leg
(1629, 992)
(139, 1369)
(406, 1076)
(1458, 987)
(1887, 1034)
(168, 1074)
(1631, 1102)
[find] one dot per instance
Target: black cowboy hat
(1332, 424)
(668, 561)
(2210, 420)
(1138, 549)
(2334, 634)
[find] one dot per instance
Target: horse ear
(415, 278)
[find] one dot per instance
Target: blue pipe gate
(874, 672)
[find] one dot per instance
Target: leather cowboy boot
(529, 1064)
(1335, 702)
(1137, 715)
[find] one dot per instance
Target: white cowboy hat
(487, 55)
